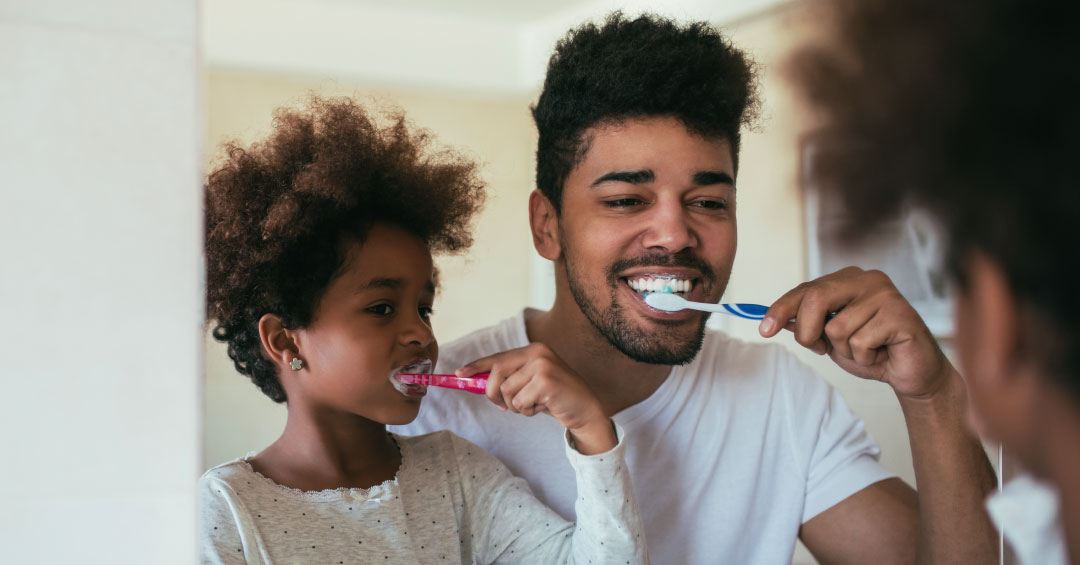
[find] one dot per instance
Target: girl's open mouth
(409, 389)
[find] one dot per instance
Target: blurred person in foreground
(967, 108)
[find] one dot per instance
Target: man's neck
(618, 381)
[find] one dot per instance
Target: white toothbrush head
(665, 301)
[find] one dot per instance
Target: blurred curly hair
(278, 212)
(968, 109)
(645, 67)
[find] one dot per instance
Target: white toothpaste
(419, 368)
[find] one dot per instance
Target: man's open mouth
(687, 285)
(660, 283)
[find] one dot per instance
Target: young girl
(321, 282)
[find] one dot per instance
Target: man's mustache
(683, 258)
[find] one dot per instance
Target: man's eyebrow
(633, 177)
(706, 178)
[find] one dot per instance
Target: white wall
(99, 281)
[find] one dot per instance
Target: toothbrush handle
(476, 384)
(755, 311)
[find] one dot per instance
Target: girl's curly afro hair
(277, 213)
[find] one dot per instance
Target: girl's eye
(381, 309)
(622, 202)
(426, 312)
(711, 204)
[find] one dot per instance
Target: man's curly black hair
(279, 212)
(645, 67)
(968, 108)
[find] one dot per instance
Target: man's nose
(668, 228)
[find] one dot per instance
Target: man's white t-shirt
(730, 455)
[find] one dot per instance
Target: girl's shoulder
(227, 478)
(229, 472)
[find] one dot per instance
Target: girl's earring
(296, 363)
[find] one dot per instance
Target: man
(735, 449)
(969, 109)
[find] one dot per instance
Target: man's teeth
(655, 284)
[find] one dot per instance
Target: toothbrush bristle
(662, 301)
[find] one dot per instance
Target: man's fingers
(867, 344)
(782, 310)
(809, 303)
(846, 323)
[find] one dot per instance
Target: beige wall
(478, 289)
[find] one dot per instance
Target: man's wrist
(948, 396)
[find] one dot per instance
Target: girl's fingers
(528, 400)
(511, 386)
(494, 387)
(509, 360)
(499, 366)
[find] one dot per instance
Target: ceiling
(511, 12)
(491, 46)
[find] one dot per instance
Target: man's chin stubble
(637, 344)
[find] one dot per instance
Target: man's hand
(532, 380)
(876, 334)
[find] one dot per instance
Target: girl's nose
(418, 332)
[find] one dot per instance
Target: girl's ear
(277, 340)
(998, 319)
(544, 223)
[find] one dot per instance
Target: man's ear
(544, 223)
(277, 341)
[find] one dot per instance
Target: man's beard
(636, 343)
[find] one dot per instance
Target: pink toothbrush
(476, 384)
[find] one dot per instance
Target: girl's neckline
(373, 491)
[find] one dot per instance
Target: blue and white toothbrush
(674, 303)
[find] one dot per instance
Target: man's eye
(381, 309)
(711, 204)
(622, 202)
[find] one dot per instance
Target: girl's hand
(532, 380)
